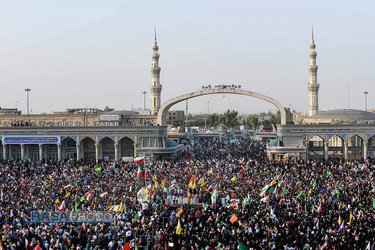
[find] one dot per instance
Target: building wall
(176, 115)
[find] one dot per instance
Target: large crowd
(216, 195)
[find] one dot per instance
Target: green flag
(328, 173)
(83, 198)
(314, 185)
(241, 246)
(299, 195)
(98, 169)
(75, 207)
(373, 203)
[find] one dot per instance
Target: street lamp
(144, 99)
(366, 93)
(27, 100)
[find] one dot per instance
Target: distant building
(176, 115)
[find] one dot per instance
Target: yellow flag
(188, 196)
(116, 208)
(350, 220)
(273, 182)
(178, 230)
(155, 186)
(210, 171)
(201, 181)
(121, 208)
(204, 183)
(60, 190)
(68, 194)
(233, 179)
(194, 185)
(339, 221)
(57, 200)
(144, 193)
(162, 185)
(109, 207)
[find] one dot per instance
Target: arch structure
(163, 111)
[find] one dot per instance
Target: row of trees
(232, 120)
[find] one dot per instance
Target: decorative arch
(162, 114)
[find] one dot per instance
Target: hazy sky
(91, 53)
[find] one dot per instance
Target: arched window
(41, 124)
(6, 124)
(68, 124)
(129, 123)
(59, 124)
(50, 124)
(96, 124)
(78, 124)
(149, 123)
(32, 124)
(106, 124)
(115, 124)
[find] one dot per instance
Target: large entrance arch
(162, 114)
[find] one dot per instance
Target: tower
(313, 85)
(155, 87)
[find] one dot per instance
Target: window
(106, 124)
(96, 124)
(6, 124)
(78, 124)
(50, 124)
(115, 124)
(59, 124)
(68, 124)
(41, 124)
(149, 123)
(129, 123)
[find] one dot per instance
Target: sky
(96, 53)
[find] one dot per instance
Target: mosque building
(89, 133)
(345, 134)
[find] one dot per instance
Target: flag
(98, 169)
(282, 182)
(299, 195)
(139, 173)
(178, 229)
(62, 206)
(139, 158)
(328, 173)
(37, 247)
(83, 227)
(339, 221)
(68, 186)
(272, 214)
(273, 182)
(56, 244)
(264, 190)
(368, 246)
(342, 226)
(197, 214)
(241, 246)
(233, 218)
(104, 194)
(27, 244)
(57, 200)
(325, 246)
(314, 185)
(373, 203)
(234, 178)
(179, 212)
(241, 161)
(126, 247)
(186, 170)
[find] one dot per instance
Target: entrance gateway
(218, 89)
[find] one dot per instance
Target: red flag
(37, 247)
(6, 227)
(186, 169)
(196, 214)
(126, 247)
(242, 170)
(83, 227)
(166, 248)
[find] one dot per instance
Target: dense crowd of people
(216, 195)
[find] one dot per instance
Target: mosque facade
(344, 134)
(89, 133)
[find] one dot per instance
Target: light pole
(144, 99)
(27, 99)
(366, 93)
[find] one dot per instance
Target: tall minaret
(155, 87)
(313, 85)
